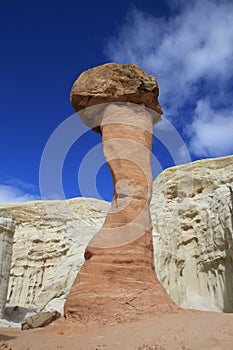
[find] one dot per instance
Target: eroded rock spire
(118, 280)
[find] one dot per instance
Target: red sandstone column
(118, 280)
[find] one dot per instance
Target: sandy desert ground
(184, 330)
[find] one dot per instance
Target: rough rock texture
(49, 243)
(118, 281)
(42, 319)
(6, 241)
(41, 235)
(192, 213)
(113, 82)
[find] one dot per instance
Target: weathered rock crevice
(7, 229)
(47, 251)
(194, 233)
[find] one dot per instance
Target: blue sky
(45, 45)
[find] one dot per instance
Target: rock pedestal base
(118, 281)
(118, 284)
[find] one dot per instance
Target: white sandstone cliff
(49, 243)
(192, 219)
(6, 241)
(192, 216)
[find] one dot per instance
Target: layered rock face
(197, 275)
(48, 248)
(192, 213)
(118, 280)
(7, 229)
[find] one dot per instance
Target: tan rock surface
(118, 281)
(192, 213)
(113, 82)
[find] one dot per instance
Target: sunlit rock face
(192, 235)
(117, 281)
(7, 229)
(113, 82)
(192, 218)
(48, 249)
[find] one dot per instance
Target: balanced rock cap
(113, 82)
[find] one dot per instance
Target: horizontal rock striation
(118, 281)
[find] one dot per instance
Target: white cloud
(9, 193)
(211, 131)
(191, 54)
(17, 183)
(196, 43)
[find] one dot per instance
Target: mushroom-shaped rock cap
(114, 82)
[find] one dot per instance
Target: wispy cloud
(191, 54)
(14, 190)
(211, 131)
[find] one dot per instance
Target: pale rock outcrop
(48, 250)
(6, 241)
(194, 264)
(192, 214)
